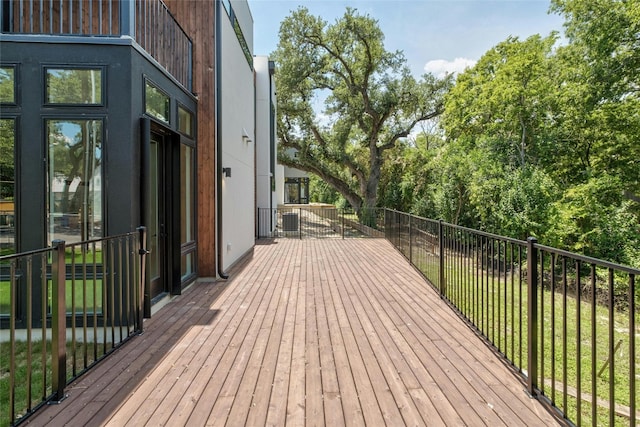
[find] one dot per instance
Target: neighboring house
(236, 130)
(111, 117)
(296, 186)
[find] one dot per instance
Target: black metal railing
(321, 221)
(148, 22)
(68, 306)
(566, 322)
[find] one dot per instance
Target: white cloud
(439, 67)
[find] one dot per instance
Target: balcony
(149, 23)
(318, 331)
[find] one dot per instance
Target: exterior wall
(263, 131)
(197, 18)
(125, 71)
(243, 14)
(294, 173)
(120, 169)
(237, 130)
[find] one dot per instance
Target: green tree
(600, 117)
(507, 96)
(344, 100)
(500, 140)
(592, 218)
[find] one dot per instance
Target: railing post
(632, 350)
(142, 252)
(410, 240)
(532, 316)
(441, 258)
(343, 214)
(300, 223)
(58, 321)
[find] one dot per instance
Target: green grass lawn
(74, 257)
(509, 335)
(34, 384)
(75, 294)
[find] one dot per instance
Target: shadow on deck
(305, 332)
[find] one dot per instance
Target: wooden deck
(305, 332)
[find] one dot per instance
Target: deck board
(304, 333)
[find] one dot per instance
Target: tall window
(187, 206)
(74, 180)
(7, 187)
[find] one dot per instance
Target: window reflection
(7, 85)
(296, 190)
(186, 194)
(185, 121)
(74, 180)
(7, 187)
(74, 86)
(156, 103)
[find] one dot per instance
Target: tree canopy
(540, 139)
(344, 100)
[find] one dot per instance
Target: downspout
(272, 146)
(218, 115)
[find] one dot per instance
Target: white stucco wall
(263, 132)
(238, 151)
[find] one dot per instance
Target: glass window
(7, 85)
(187, 206)
(156, 103)
(227, 6)
(296, 190)
(74, 86)
(74, 180)
(188, 265)
(7, 187)
(185, 121)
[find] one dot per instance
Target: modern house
(121, 113)
(296, 186)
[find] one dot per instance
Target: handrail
(70, 305)
(558, 317)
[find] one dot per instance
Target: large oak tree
(343, 100)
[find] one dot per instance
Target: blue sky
(442, 35)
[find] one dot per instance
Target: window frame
(16, 86)
(16, 178)
(192, 135)
(190, 247)
(150, 82)
(87, 67)
(47, 196)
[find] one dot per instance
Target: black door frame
(171, 262)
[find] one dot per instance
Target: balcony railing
(317, 221)
(568, 323)
(63, 309)
(148, 22)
